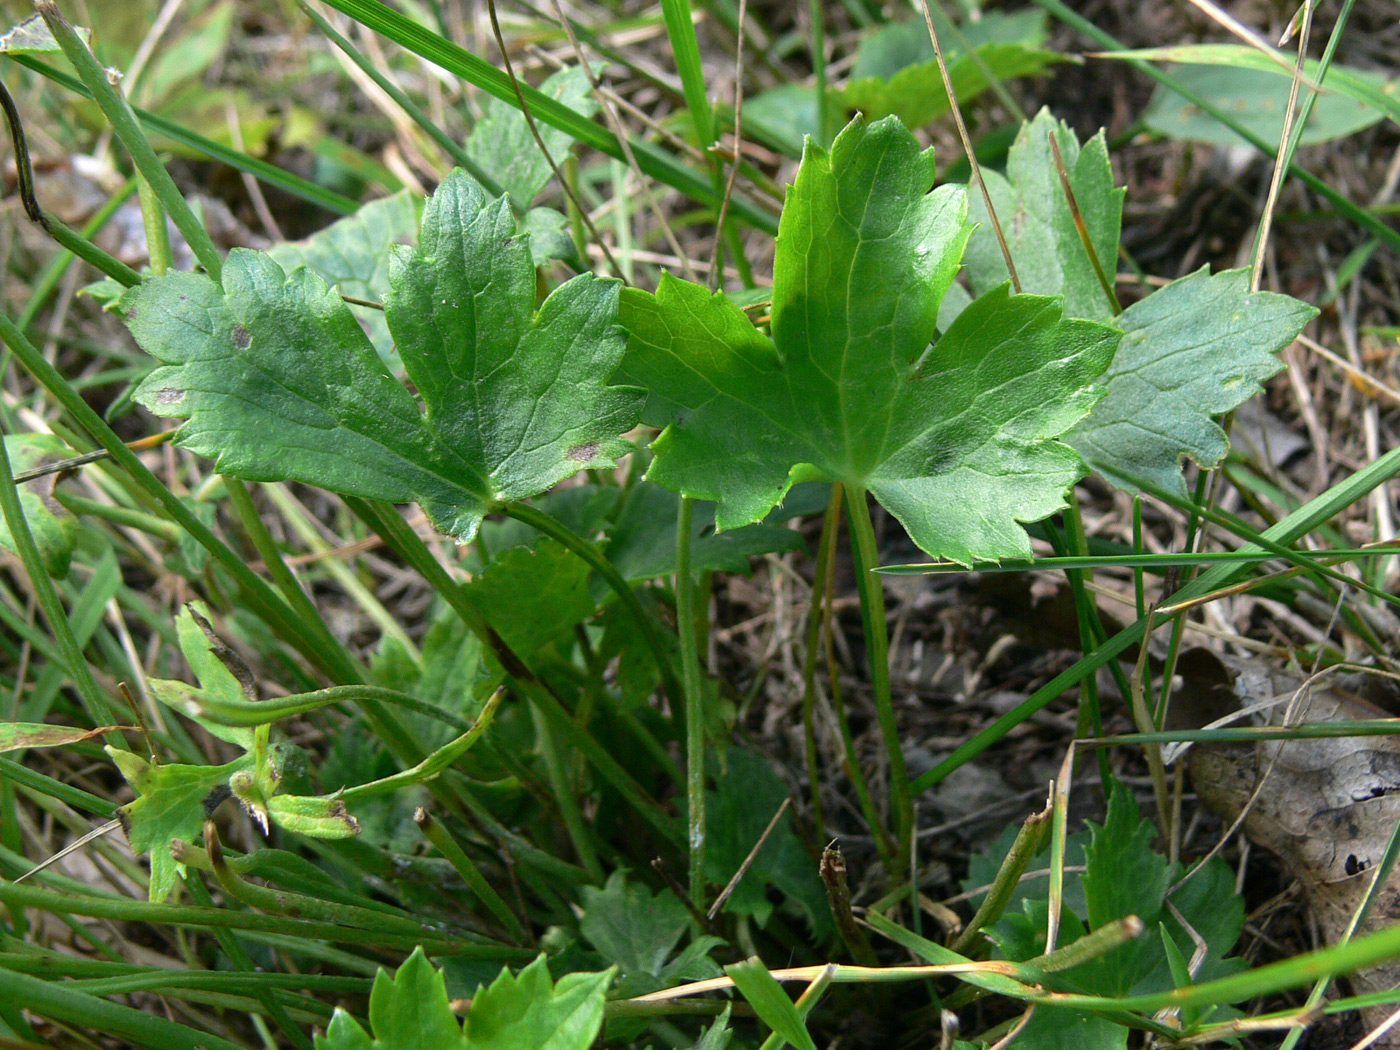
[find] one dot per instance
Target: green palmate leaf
(1192, 350)
(409, 1011)
(1030, 202)
(638, 931)
(53, 526)
(353, 256)
(956, 441)
(502, 144)
(278, 381)
(172, 802)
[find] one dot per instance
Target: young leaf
(529, 1012)
(1192, 350)
(408, 1011)
(279, 382)
(53, 526)
(352, 255)
(770, 1002)
(172, 802)
(502, 144)
(958, 443)
(1035, 215)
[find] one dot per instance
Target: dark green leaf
(533, 595)
(958, 443)
(1192, 350)
(638, 931)
(279, 382)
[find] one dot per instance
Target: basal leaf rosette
(957, 439)
(277, 380)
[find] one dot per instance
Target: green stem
(687, 626)
(439, 836)
(825, 550)
(872, 612)
(118, 113)
(157, 232)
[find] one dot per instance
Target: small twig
(539, 140)
(139, 445)
(838, 896)
(24, 171)
(673, 884)
(744, 867)
(968, 148)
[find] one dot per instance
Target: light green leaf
(1192, 350)
(321, 818)
(172, 802)
(408, 1011)
(770, 1002)
(957, 442)
(278, 382)
(895, 70)
(1039, 226)
(217, 681)
(1258, 100)
(352, 255)
(718, 1035)
(917, 96)
(502, 144)
(54, 528)
(529, 1012)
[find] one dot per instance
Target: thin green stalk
(117, 515)
(118, 113)
(157, 232)
(234, 950)
(826, 548)
(687, 626)
(598, 562)
(872, 612)
(439, 836)
(61, 1002)
(388, 524)
(1289, 530)
(42, 286)
(415, 113)
(562, 792)
(256, 530)
(62, 631)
